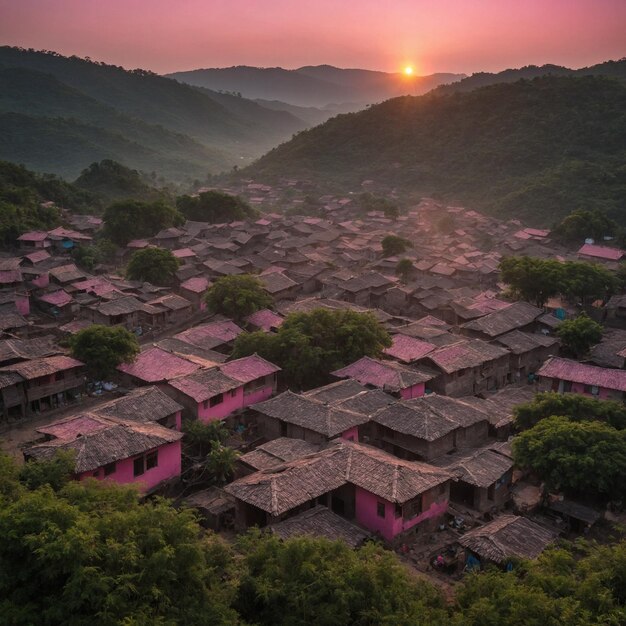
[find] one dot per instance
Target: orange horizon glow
(408, 70)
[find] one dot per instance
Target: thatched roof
(148, 404)
(321, 522)
(480, 468)
(277, 452)
(515, 316)
(508, 536)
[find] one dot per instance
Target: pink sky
(432, 35)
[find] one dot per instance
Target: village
(411, 448)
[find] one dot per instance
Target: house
(427, 428)
(274, 453)
(616, 311)
(528, 351)
(155, 366)
(40, 384)
(392, 377)
(34, 240)
(384, 494)
(468, 367)
(350, 395)
(219, 335)
(193, 289)
(127, 311)
(58, 304)
(407, 349)
(301, 417)
(483, 478)
(600, 253)
(65, 240)
(124, 451)
(174, 309)
(279, 286)
(265, 320)
(215, 506)
(506, 537)
(567, 376)
(215, 393)
(516, 316)
(16, 350)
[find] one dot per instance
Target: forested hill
(75, 111)
(535, 149)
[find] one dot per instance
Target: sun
(408, 71)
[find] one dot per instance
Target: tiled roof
(601, 252)
(155, 365)
(573, 371)
(249, 368)
(408, 349)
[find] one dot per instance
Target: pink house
(215, 393)
(265, 320)
(123, 451)
(380, 492)
(154, 366)
(602, 253)
(194, 289)
(34, 240)
(407, 349)
(392, 377)
(215, 335)
(567, 376)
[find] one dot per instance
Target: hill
(534, 149)
(146, 121)
(313, 86)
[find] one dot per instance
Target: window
(215, 400)
(152, 460)
(567, 386)
(109, 469)
(595, 390)
(380, 509)
(233, 393)
(138, 466)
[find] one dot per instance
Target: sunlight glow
(408, 70)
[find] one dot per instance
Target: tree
(214, 207)
(576, 407)
(308, 346)
(314, 581)
(237, 296)
(583, 281)
(404, 269)
(532, 279)
(370, 202)
(580, 458)
(200, 437)
(153, 265)
(103, 348)
(133, 219)
(220, 463)
(579, 334)
(394, 245)
(55, 473)
(582, 224)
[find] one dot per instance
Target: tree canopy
(103, 348)
(586, 458)
(237, 296)
(370, 202)
(579, 334)
(154, 265)
(393, 245)
(126, 220)
(215, 207)
(404, 268)
(308, 346)
(584, 223)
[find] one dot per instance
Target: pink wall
(233, 403)
(22, 304)
(416, 391)
(603, 392)
(390, 526)
(352, 434)
(169, 464)
(179, 420)
(42, 281)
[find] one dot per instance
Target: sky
(429, 35)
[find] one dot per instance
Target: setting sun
(408, 70)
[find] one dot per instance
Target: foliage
(200, 437)
(404, 268)
(133, 219)
(101, 251)
(369, 202)
(237, 296)
(220, 463)
(537, 280)
(579, 334)
(55, 473)
(533, 149)
(582, 224)
(394, 245)
(584, 458)
(308, 346)
(215, 207)
(153, 265)
(580, 586)
(313, 581)
(574, 406)
(103, 348)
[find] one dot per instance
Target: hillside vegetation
(74, 111)
(535, 149)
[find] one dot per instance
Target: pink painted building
(35, 240)
(123, 451)
(212, 336)
(408, 349)
(392, 377)
(154, 366)
(568, 376)
(215, 393)
(380, 492)
(193, 289)
(265, 320)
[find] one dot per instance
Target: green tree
(582, 224)
(579, 334)
(370, 202)
(220, 463)
(215, 207)
(583, 282)
(134, 219)
(103, 348)
(200, 437)
(55, 473)
(532, 279)
(574, 406)
(394, 245)
(237, 296)
(153, 265)
(404, 269)
(314, 581)
(308, 346)
(580, 458)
